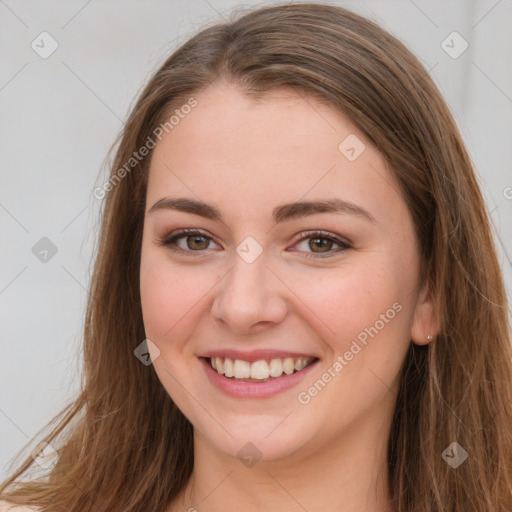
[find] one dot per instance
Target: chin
(264, 439)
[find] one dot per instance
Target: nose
(250, 298)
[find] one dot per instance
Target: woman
(296, 302)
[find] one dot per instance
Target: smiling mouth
(259, 371)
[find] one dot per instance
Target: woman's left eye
(196, 241)
(324, 242)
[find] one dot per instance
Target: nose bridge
(248, 294)
(247, 283)
(249, 267)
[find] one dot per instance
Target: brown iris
(323, 243)
(198, 239)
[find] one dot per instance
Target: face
(331, 282)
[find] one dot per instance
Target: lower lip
(240, 389)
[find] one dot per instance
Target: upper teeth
(258, 369)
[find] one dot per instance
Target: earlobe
(425, 326)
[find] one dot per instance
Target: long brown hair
(123, 444)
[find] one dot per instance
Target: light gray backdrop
(61, 111)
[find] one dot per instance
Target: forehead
(249, 155)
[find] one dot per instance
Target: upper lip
(256, 355)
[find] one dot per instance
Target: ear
(426, 319)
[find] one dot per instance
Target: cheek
(343, 302)
(376, 324)
(369, 311)
(171, 297)
(371, 323)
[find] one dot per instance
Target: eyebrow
(280, 213)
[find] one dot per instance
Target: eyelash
(169, 242)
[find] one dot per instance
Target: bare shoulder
(6, 506)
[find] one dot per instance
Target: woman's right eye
(194, 241)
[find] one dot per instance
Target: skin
(246, 158)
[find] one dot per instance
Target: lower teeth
(260, 380)
(253, 380)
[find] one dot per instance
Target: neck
(348, 474)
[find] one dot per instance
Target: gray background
(61, 114)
